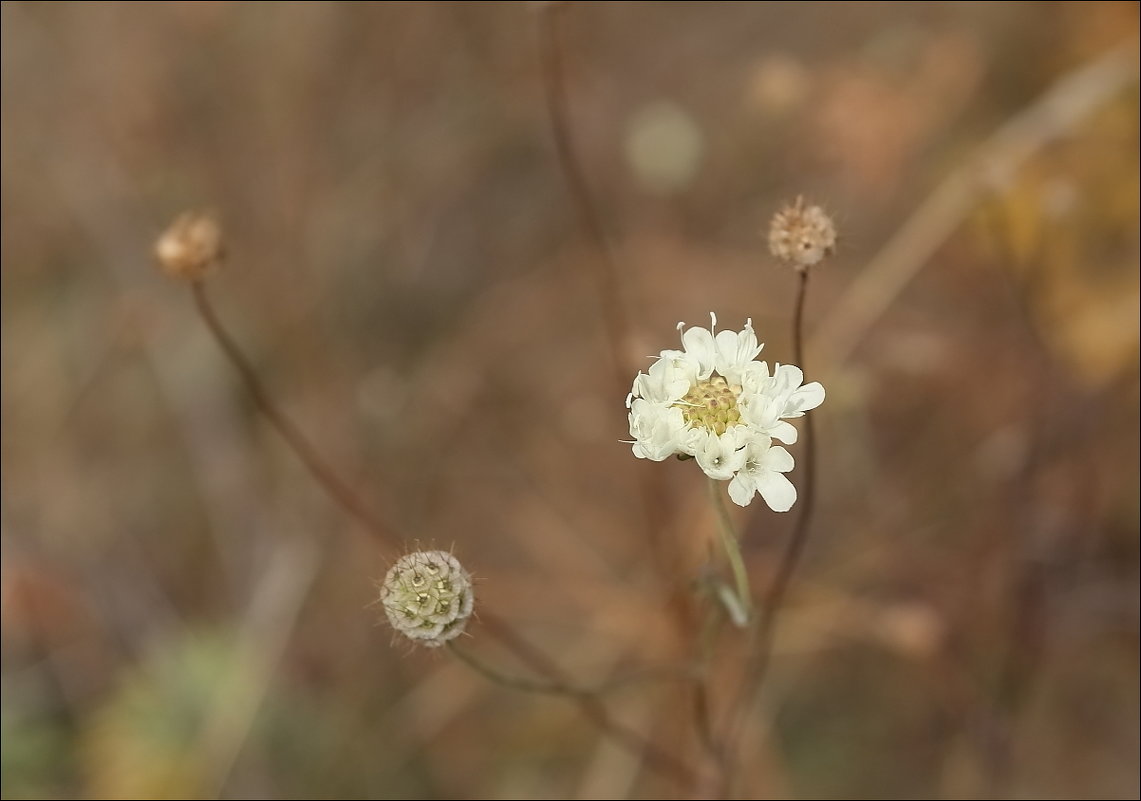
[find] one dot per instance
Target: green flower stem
(733, 554)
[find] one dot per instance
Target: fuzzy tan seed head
(802, 234)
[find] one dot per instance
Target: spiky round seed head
(427, 596)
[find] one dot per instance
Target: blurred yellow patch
(147, 740)
(1067, 228)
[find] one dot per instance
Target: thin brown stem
(606, 269)
(775, 595)
(702, 705)
(662, 673)
(350, 501)
(608, 286)
(655, 758)
(513, 682)
(764, 634)
(344, 495)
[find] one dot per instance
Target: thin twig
(760, 646)
(702, 706)
(1061, 108)
(1020, 660)
(494, 675)
(348, 500)
(608, 285)
(342, 493)
(654, 757)
(609, 290)
(807, 501)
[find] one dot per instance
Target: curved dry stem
(655, 758)
(608, 287)
(493, 674)
(606, 269)
(341, 492)
(763, 634)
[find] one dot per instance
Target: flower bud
(191, 246)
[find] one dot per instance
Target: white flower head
(714, 402)
(427, 597)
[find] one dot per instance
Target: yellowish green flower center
(711, 404)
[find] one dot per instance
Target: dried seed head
(802, 234)
(191, 246)
(427, 597)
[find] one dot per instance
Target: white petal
(777, 459)
(789, 375)
(759, 411)
(736, 437)
(742, 489)
(726, 342)
(757, 442)
(807, 397)
(718, 456)
(667, 380)
(735, 351)
(754, 375)
(783, 431)
(657, 429)
(700, 346)
(682, 362)
(778, 491)
(689, 441)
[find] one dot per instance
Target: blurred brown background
(185, 612)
